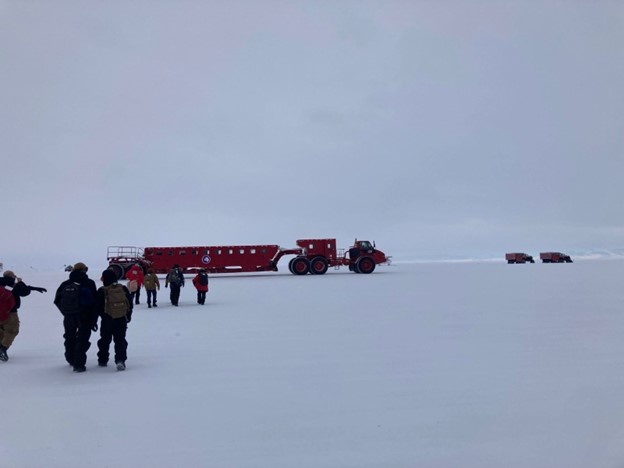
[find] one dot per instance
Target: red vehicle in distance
(518, 258)
(555, 257)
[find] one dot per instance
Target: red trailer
(518, 257)
(313, 256)
(555, 257)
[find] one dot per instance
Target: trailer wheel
(319, 266)
(300, 266)
(117, 269)
(365, 265)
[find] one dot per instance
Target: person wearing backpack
(175, 278)
(135, 273)
(152, 285)
(75, 299)
(201, 284)
(113, 303)
(10, 301)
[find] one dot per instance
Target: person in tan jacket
(152, 285)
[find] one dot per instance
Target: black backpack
(69, 302)
(203, 279)
(174, 277)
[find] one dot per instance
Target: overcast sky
(436, 128)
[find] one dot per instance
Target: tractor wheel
(318, 266)
(365, 265)
(118, 269)
(300, 266)
(290, 265)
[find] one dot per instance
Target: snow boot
(3, 354)
(121, 366)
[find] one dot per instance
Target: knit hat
(80, 266)
(109, 277)
(9, 274)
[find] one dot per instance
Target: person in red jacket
(135, 273)
(10, 327)
(201, 284)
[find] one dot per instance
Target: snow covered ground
(416, 365)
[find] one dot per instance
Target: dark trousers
(112, 329)
(151, 296)
(201, 297)
(135, 295)
(77, 333)
(174, 295)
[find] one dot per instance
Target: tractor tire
(318, 266)
(290, 265)
(300, 266)
(118, 270)
(365, 265)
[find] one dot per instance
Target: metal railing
(122, 251)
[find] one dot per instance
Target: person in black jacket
(9, 329)
(175, 279)
(112, 328)
(78, 320)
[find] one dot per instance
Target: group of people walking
(81, 303)
(174, 281)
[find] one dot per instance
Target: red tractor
(313, 256)
(555, 257)
(518, 257)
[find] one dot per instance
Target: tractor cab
(365, 246)
(363, 256)
(360, 248)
